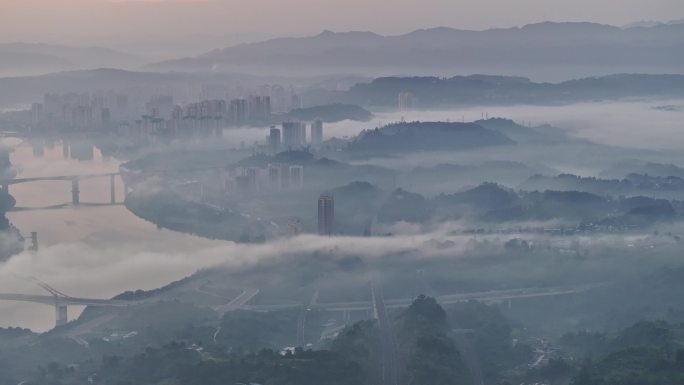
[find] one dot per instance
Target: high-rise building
(316, 133)
(105, 118)
(279, 99)
(274, 176)
(295, 102)
(294, 135)
(238, 111)
(296, 176)
(302, 135)
(246, 181)
(326, 214)
(259, 108)
(159, 106)
(242, 185)
(289, 131)
(252, 173)
(266, 105)
(274, 139)
(284, 176)
(36, 113)
(406, 101)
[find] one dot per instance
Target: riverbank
(11, 241)
(170, 211)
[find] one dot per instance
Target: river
(68, 236)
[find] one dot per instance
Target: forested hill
(426, 136)
(432, 92)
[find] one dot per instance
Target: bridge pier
(34, 241)
(61, 314)
(112, 189)
(65, 150)
(75, 192)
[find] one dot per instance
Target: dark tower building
(326, 214)
(316, 133)
(274, 139)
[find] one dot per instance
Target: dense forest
(465, 343)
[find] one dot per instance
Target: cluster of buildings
(134, 112)
(406, 101)
(246, 181)
(292, 136)
(79, 111)
(163, 117)
(274, 177)
(282, 99)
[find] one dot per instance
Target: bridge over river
(75, 185)
(60, 300)
(76, 179)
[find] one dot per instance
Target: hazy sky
(107, 22)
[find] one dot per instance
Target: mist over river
(101, 251)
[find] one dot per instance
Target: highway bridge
(50, 300)
(238, 302)
(76, 179)
(61, 206)
(492, 296)
(75, 184)
(60, 301)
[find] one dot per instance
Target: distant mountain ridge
(437, 92)
(547, 46)
(29, 58)
(431, 91)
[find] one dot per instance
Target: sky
(219, 23)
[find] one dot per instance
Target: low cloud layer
(102, 269)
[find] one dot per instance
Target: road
(216, 333)
(483, 296)
(389, 354)
(238, 302)
(301, 320)
(301, 324)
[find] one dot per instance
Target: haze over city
(308, 192)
